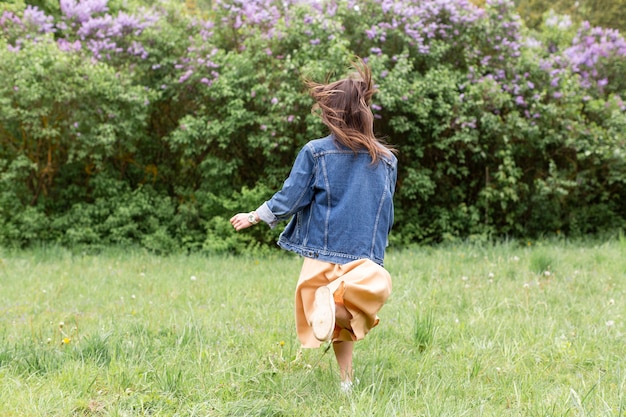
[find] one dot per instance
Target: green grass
(504, 330)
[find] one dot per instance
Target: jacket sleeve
(296, 193)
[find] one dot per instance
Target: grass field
(516, 329)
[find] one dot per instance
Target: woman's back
(350, 203)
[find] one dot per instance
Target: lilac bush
(500, 130)
(593, 55)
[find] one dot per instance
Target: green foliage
(118, 215)
(160, 149)
(64, 120)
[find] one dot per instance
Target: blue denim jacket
(341, 203)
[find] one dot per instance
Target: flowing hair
(344, 106)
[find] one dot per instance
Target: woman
(339, 196)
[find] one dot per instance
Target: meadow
(508, 329)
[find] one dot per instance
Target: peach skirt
(362, 286)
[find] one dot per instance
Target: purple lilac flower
(38, 20)
(264, 14)
(590, 50)
(82, 10)
(97, 26)
(185, 76)
(9, 17)
(137, 49)
(66, 46)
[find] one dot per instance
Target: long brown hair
(344, 106)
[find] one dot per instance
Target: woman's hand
(240, 221)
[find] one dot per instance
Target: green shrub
(152, 126)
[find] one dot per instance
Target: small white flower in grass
(546, 273)
(133, 296)
(611, 302)
(515, 259)
(142, 274)
(464, 278)
(193, 278)
(610, 323)
(61, 324)
(526, 285)
(491, 275)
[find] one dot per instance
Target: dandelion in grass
(193, 278)
(609, 323)
(66, 340)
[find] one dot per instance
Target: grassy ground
(518, 329)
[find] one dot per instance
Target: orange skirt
(362, 286)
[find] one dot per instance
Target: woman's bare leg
(343, 353)
(343, 349)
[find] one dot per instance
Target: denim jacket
(341, 203)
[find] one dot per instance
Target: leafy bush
(152, 125)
